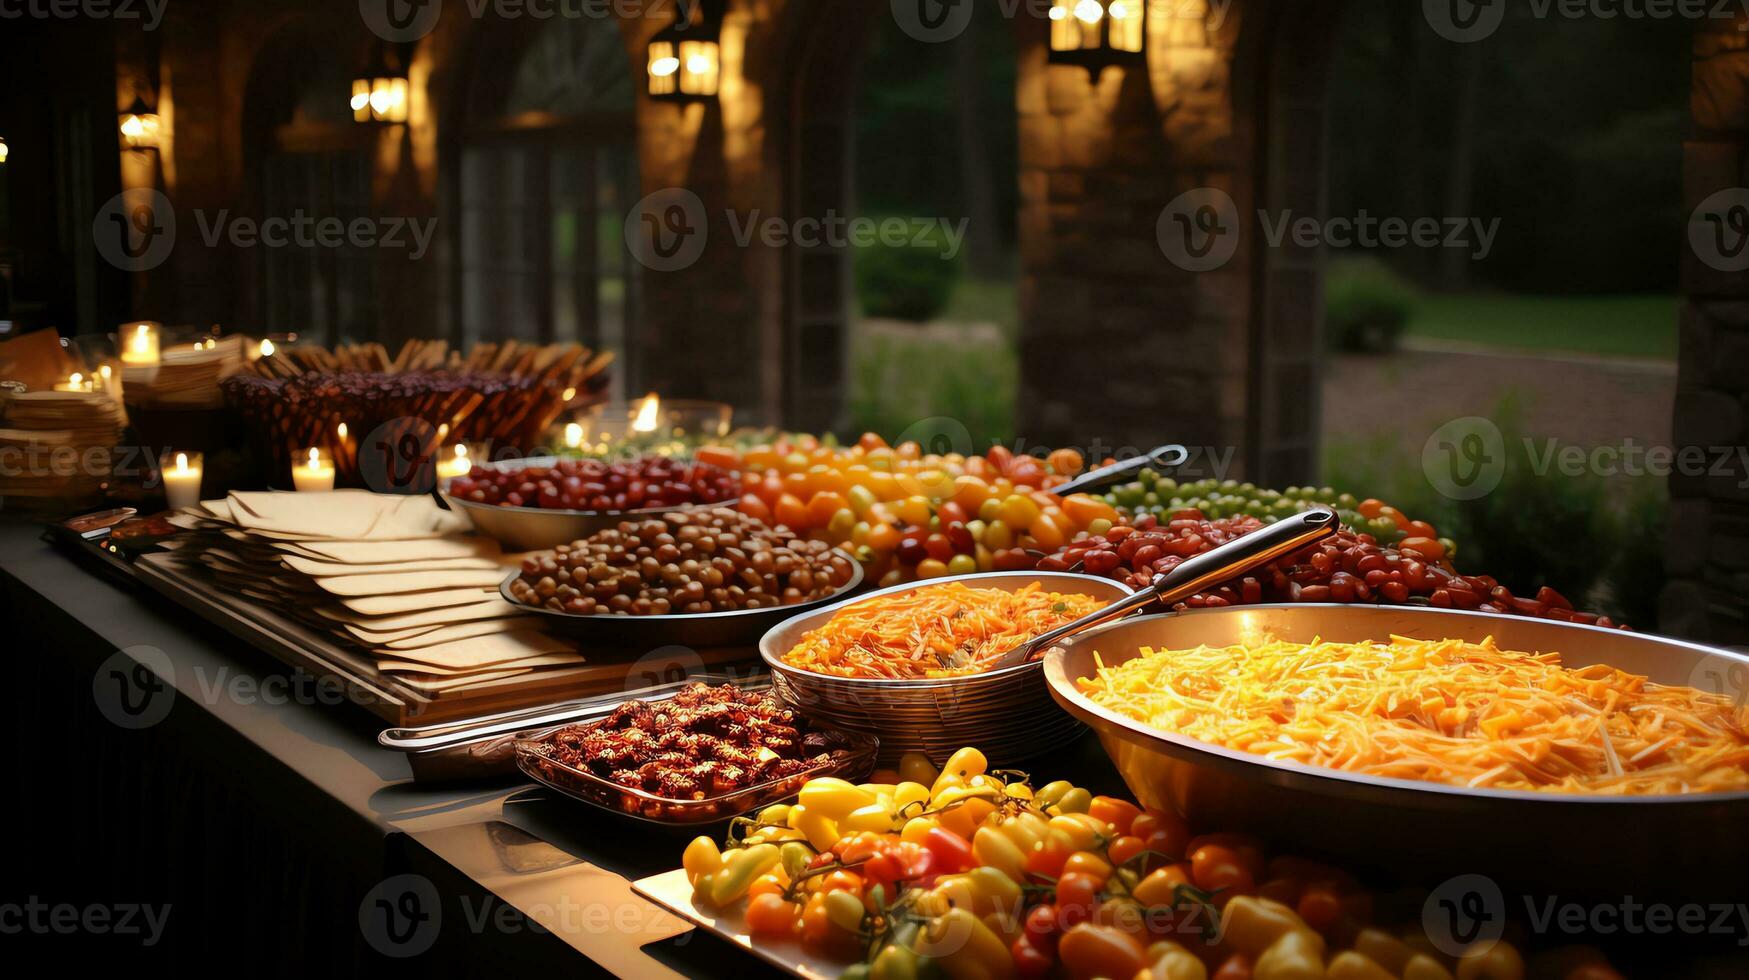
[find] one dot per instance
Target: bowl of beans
(709, 576)
(543, 502)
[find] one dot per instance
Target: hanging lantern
(140, 128)
(379, 93)
(1097, 33)
(685, 58)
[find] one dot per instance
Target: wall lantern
(1097, 33)
(686, 61)
(379, 93)
(140, 128)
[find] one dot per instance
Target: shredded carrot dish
(940, 631)
(1445, 711)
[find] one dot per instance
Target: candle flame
(315, 456)
(340, 430)
(104, 371)
(573, 435)
(141, 340)
(75, 378)
(266, 347)
(182, 462)
(461, 450)
(647, 410)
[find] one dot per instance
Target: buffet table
(259, 818)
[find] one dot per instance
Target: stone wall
(1707, 556)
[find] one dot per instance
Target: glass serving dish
(852, 757)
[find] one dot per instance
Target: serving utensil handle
(1165, 456)
(1187, 578)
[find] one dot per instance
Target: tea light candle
(454, 463)
(75, 382)
(315, 473)
(139, 345)
(182, 472)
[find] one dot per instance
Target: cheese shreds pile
(938, 631)
(1445, 711)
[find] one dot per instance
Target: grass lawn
(1621, 326)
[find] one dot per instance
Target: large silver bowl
(1678, 847)
(540, 528)
(1007, 713)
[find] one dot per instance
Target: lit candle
(315, 473)
(140, 345)
(265, 349)
(649, 414)
(182, 479)
(454, 463)
(74, 382)
(573, 435)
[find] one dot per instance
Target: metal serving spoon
(1194, 574)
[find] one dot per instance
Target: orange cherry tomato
(1077, 896)
(823, 505)
(1213, 866)
(1083, 509)
(883, 537)
(871, 440)
(752, 506)
(722, 456)
(1048, 858)
(1428, 548)
(769, 914)
(1066, 462)
(1088, 863)
(1121, 814)
(1124, 848)
(791, 511)
(1370, 507)
(1321, 907)
(1090, 950)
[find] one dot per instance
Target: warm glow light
(1089, 11)
(573, 435)
(647, 414)
(698, 64)
(75, 378)
(1058, 13)
(182, 462)
(663, 67)
(103, 371)
(570, 393)
(266, 348)
(340, 430)
(1119, 11)
(140, 347)
(315, 458)
(360, 100)
(442, 430)
(140, 130)
(3, 150)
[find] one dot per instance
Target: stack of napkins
(188, 376)
(392, 576)
(62, 441)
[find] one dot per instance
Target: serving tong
(1193, 575)
(1165, 456)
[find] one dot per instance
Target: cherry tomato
(771, 915)
(1214, 866)
(1077, 895)
(1125, 848)
(1321, 907)
(1048, 858)
(1041, 927)
(1030, 962)
(1090, 950)
(1121, 814)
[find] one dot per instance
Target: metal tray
(539, 528)
(738, 627)
(484, 747)
(1676, 848)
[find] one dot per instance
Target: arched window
(545, 168)
(308, 159)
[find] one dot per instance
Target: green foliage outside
(906, 282)
(1366, 305)
(1600, 549)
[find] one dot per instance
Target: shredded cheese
(1445, 711)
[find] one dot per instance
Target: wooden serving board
(673, 892)
(296, 645)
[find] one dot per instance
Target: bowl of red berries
(545, 501)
